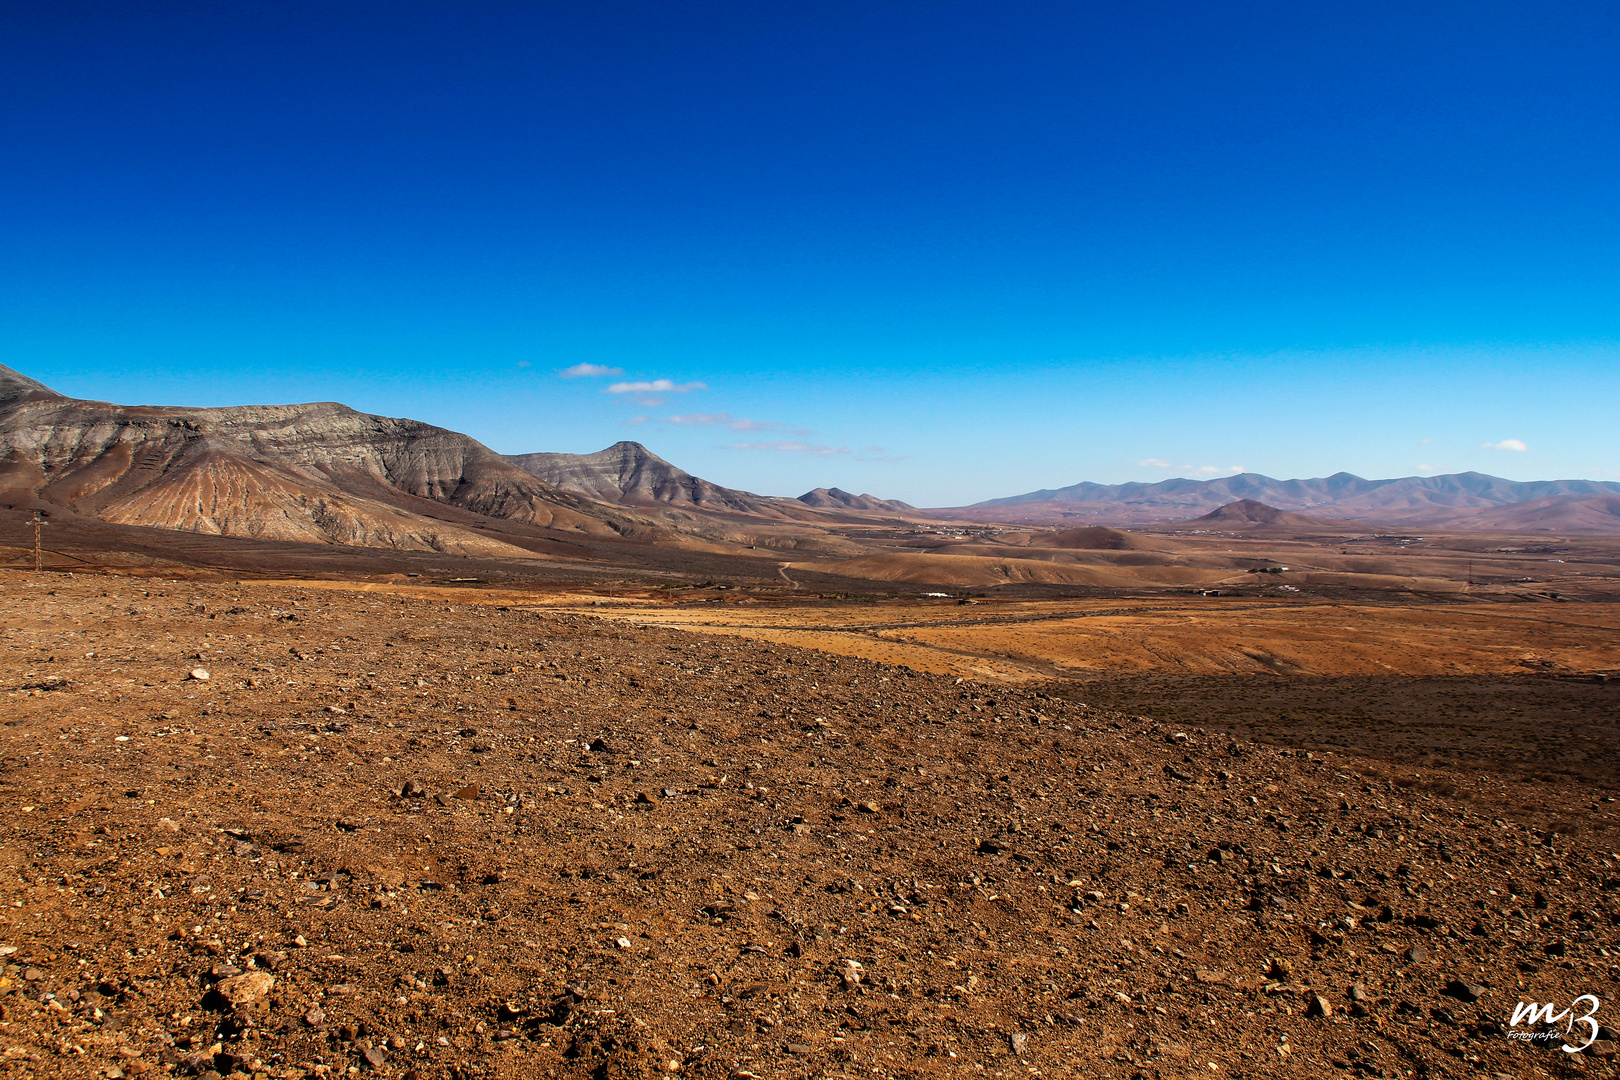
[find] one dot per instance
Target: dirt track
(775, 863)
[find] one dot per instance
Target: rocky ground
(409, 837)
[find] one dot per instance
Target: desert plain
(283, 811)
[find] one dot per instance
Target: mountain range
(325, 473)
(628, 474)
(1460, 500)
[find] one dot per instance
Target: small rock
(867, 808)
(1417, 954)
(646, 798)
(33, 974)
(799, 1049)
(1280, 969)
(1358, 993)
(195, 1064)
(851, 974)
(413, 789)
(246, 989)
(1463, 990)
(623, 942)
(1018, 1041)
(374, 1057)
(200, 674)
(469, 793)
(1317, 1005)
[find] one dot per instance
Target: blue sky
(936, 251)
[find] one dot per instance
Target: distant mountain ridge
(1340, 491)
(1446, 498)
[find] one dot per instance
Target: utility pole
(39, 519)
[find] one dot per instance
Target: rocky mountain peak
(15, 386)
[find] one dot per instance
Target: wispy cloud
(1515, 445)
(589, 371)
(655, 386)
(790, 446)
(735, 423)
(1155, 463)
(1216, 470)
(1428, 468)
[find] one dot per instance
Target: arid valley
(339, 745)
(474, 818)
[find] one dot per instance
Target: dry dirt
(1086, 639)
(402, 834)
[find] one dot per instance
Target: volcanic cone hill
(318, 472)
(1247, 514)
(1095, 538)
(835, 499)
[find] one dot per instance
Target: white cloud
(1155, 463)
(1216, 470)
(1515, 445)
(1428, 468)
(1425, 442)
(590, 371)
(790, 446)
(735, 423)
(656, 386)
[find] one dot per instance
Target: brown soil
(639, 851)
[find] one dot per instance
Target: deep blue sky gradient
(962, 249)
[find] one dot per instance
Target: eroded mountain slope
(319, 471)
